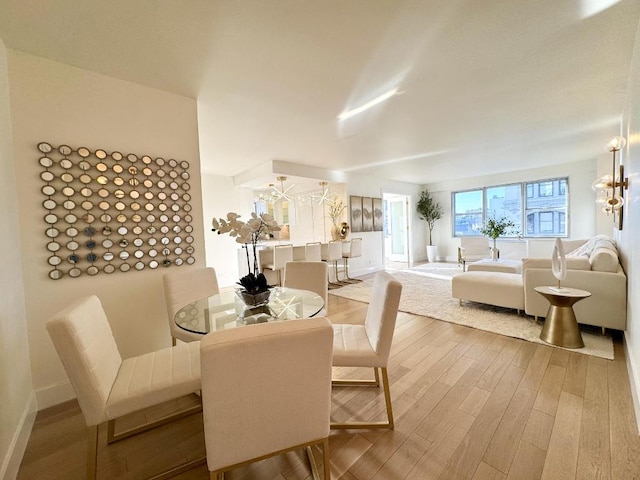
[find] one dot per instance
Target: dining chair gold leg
(387, 399)
(359, 383)
(92, 452)
(116, 437)
(325, 455)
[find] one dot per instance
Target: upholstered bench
(488, 265)
(494, 288)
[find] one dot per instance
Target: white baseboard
(55, 394)
(634, 379)
(365, 271)
(11, 463)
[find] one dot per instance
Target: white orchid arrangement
(251, 232)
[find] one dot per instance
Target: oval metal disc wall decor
(92, 210)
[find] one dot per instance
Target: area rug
(424, 293)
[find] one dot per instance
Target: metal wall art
(108, 212)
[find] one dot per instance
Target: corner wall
(17, 400)
(628, 237)
(60, 104)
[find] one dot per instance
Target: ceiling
(484, 86)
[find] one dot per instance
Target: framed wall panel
(355, 204)
(367, 214)
(378, 219)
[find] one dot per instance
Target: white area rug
(429, 294)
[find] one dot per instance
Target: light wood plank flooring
(468, 405)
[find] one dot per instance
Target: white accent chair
(351, 249)
(309, 276)
(472, 249)
(257, 404)
(369, 345)
(109, 387)
(332, 252)
(313, 252)
(281, 255)
(182, 288)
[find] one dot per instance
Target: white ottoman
(493, 288)
(487, 265)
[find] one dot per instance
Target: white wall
(60, 104)
(628, 237)
(372, 242)
(220, 196)
(582, 209)
(17, 401)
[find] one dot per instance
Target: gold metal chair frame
(368, 383)
(322, 443)
(112, 437)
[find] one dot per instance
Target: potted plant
(254, 288)
(429, 210)
(494, 228)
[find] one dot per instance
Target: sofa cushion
(604, 260)
(573, 263)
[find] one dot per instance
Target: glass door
(396, 232)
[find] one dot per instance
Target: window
(467, 210)
(538, 209)
(550, 210)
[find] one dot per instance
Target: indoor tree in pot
(429, 210)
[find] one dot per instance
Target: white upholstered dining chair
(183, 287)
(308, 276)
(369, 345)
(109, 387)
(266, 390)
(351, 249)
(281, 255)
(332, 252)
(313, 252)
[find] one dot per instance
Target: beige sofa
(592, 265)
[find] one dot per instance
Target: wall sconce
(612, 200)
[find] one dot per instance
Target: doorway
(396, 231)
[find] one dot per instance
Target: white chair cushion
(83, 339)
(154, 378)
(351, 347)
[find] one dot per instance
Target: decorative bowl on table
(253, 299)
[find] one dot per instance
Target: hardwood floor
(468, 404)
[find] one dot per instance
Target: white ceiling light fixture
(366, 106)
(282, 193)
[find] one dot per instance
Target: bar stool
(313, 252)
(332, 252)
(281, 255)
(350, 249)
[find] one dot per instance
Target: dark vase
(253, 299)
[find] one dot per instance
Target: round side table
(560, 326)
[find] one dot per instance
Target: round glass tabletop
(226, 310)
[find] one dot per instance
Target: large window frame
(540, 209)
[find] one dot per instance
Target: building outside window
(538, 209)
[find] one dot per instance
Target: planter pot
(253, 300)
(432, 253)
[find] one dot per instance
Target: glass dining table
(226, 310)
